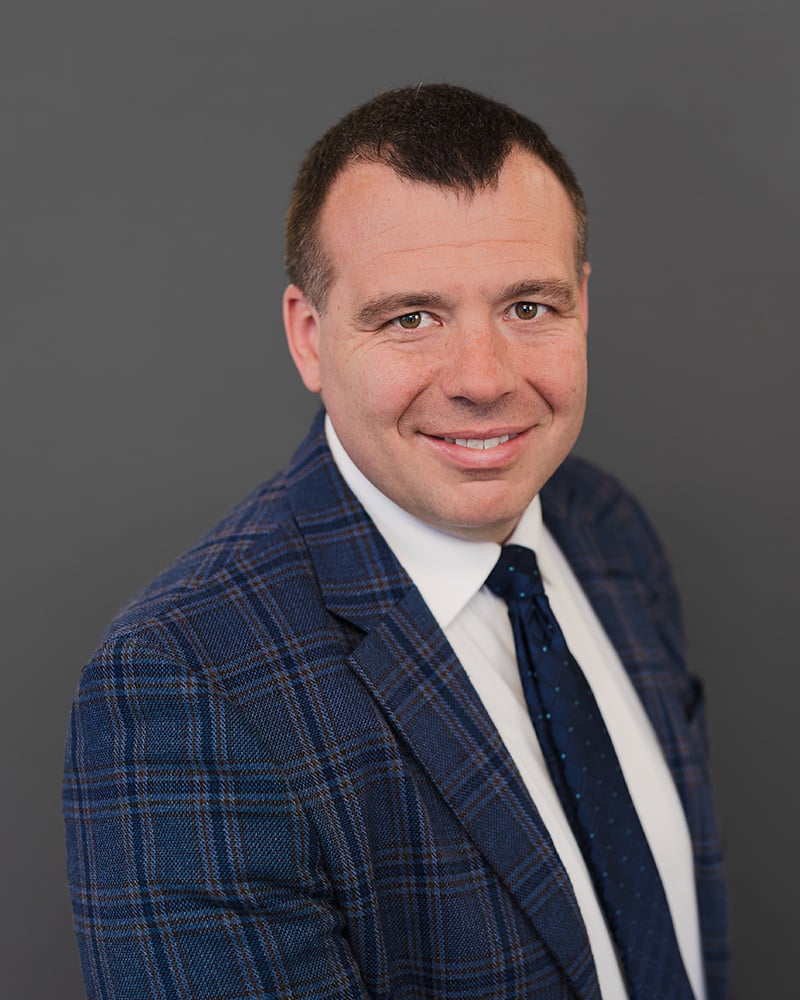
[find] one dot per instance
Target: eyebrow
(555, 290)
(375, 311)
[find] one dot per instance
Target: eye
(412, 321)
(528, 310)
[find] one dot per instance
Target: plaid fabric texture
(280, 783)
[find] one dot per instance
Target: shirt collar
(448, 571)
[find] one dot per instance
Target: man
(309, 760)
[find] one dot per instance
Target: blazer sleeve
(193, 869)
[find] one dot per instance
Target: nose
(478, 366)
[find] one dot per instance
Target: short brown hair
(438, 134)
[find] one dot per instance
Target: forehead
(376, 226)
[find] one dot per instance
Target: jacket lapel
(413, 674)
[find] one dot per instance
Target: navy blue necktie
(586, 773)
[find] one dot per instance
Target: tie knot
(515, 576)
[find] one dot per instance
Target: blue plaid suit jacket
(280, 782)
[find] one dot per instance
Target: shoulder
(245, 566)
(257, 531)
(612, 547)
(580, 486)
(584, 494)
(583, 502)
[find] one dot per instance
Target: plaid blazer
(280, 782)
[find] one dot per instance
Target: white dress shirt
(450, 573)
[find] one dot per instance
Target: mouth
(478, 443)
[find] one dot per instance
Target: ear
(302, 323)
(583, 295)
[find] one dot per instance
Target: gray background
(147, 152)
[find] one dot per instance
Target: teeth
(480, 443)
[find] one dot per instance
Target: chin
(478, 529)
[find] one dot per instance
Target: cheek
(341, 376)
(388, 383)
(561, 379)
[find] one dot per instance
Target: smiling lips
(480, 444)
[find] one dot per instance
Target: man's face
(451, 356)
